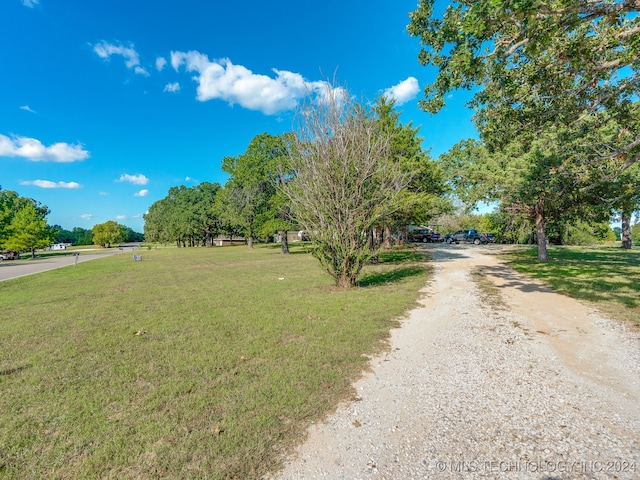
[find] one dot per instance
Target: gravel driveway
(544, 388)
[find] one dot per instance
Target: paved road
(13, 269)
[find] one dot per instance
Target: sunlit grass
(193, 363)
(609, 277)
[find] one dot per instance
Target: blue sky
(106, 105)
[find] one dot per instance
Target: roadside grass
(66, 252)
(609, 277)
(193, 363)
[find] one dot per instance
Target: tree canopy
(565, 71)
(23, 223)
(185, 216)
(76, 236)
(249, 202)
(28, 230)
(422, 198)
(532, 61)
(108, 233)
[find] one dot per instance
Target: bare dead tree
(343, 183)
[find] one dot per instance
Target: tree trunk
(33, 253)
(543, 255)
(346, 280)
(404, 235)
(284, 242)
(373, 245)
(386, 244)
(626, 231)
(250, 241)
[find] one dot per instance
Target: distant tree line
(24, 228)
(185, 216)
(76, 236)
(83, 236)
(349, 176)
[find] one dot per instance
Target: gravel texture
(542, 388)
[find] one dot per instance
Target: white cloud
(105, 50)
(141, 193)
(30, 3)
(34, 150)
(160, 63)
(121, 217)
(27, 108)
(141, 71)
(86, 216)
(138, 179)
(404, 91)
(50, 184)
(172, 87)
(103, 194)
(236, 84)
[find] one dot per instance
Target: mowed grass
(607, 276)
(193, 363)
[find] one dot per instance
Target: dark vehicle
(468, 235)
(491, 237)
(436, 237)
(421, 235)
(424, 235)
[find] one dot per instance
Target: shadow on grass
(401, 256)
(409, 264)
(607, 275)
(10, 371)
(295, 248)
(395, 275)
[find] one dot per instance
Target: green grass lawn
(609, 277)
(193, 363)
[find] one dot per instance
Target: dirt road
(543, 388)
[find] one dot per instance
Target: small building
(222, 241)
(59, 246)
(293, 237)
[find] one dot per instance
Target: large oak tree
(540, 67)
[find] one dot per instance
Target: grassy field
(607, 276)
(193, 363)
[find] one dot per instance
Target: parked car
(436, 237)
(424, 235)
(420, 235)
(468, 235)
